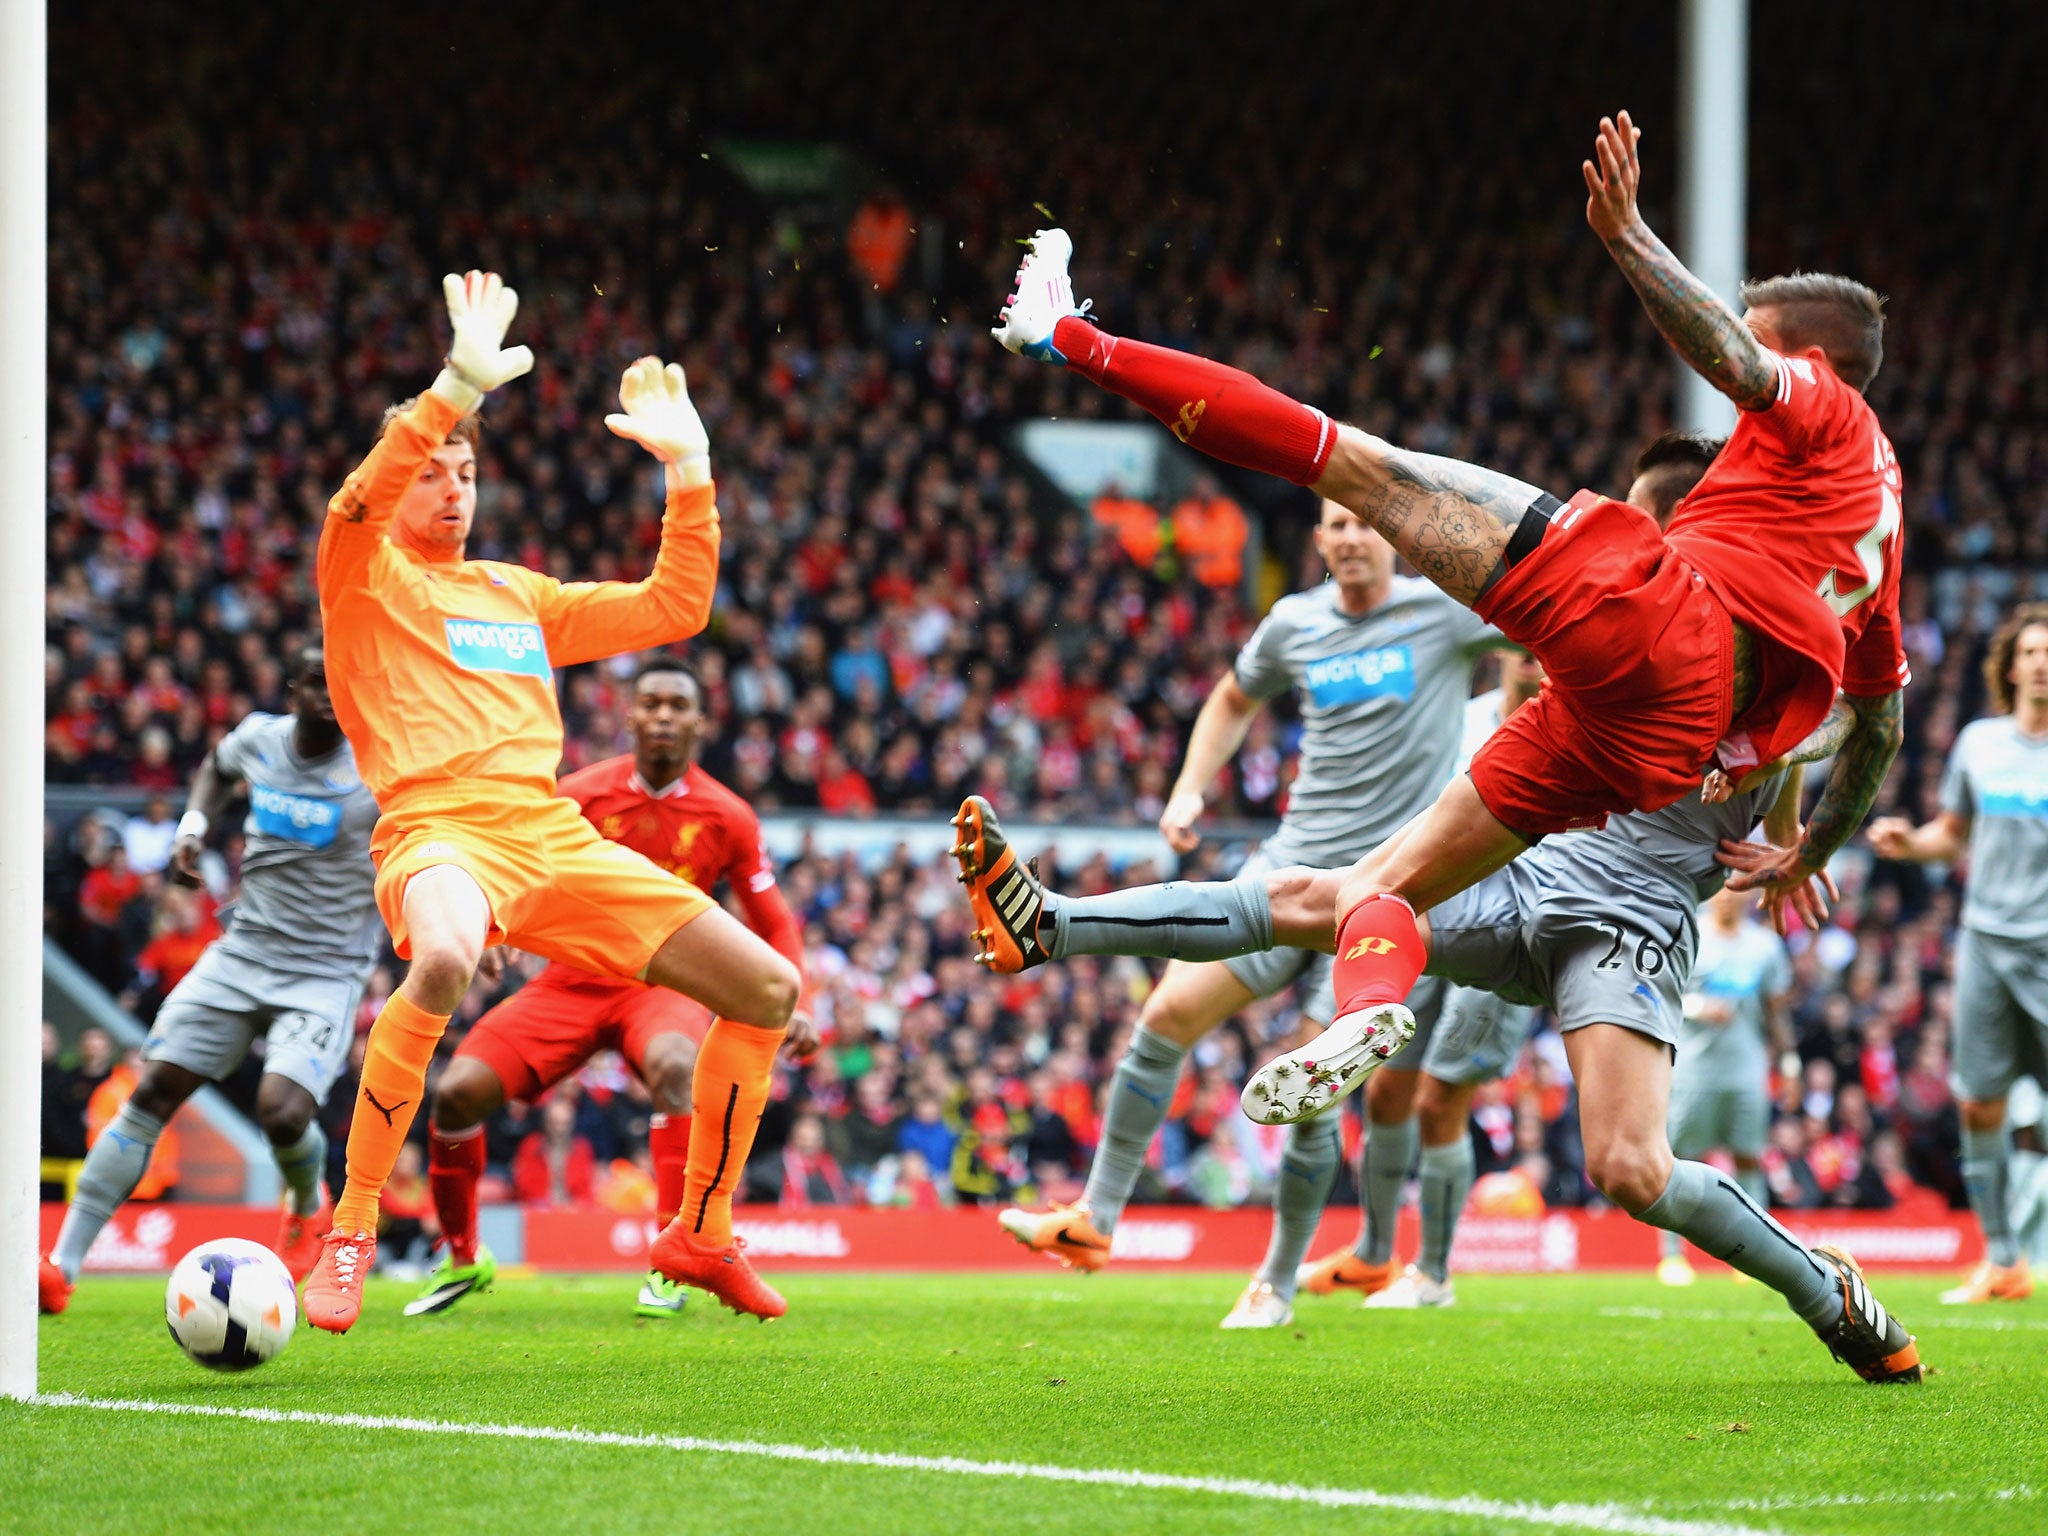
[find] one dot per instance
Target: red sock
(454, 1165)
(1380, 953)
(1223, 411)
(668, 1139)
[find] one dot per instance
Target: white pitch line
(1612, 1518)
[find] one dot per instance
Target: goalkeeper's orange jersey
(442, 673)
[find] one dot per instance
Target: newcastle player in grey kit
(1994, 799)
(1383, 666)
(291, 967)
(1599, 926)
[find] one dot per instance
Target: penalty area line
(1614, 1518)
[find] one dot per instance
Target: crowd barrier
(150, 1238)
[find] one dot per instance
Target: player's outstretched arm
(588, 620)
(1704, 331)
(1219, 731)
(1940, 841)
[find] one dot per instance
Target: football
(231, 1304)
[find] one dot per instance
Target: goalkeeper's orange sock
(402, 1043)
(734, 1070)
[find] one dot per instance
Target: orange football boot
(1006, 896)
(724, 1272)
(1344, 1271)
(1066, 1234)
(1866, 1338)
(1992, 1282)
(333, 1295)
(53, 1291)
(298, 1239)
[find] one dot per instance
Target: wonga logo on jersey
(295, 818)
(1385, 672)
(478, 645)
(2014, 793)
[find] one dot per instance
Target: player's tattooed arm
(1691, 316)
(1865, 756)
(1450, 520)
(1826, 739)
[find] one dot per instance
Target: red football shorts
(1638, 657)
(552, 1025)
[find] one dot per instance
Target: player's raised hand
(655, 412)
(1177, 821)
(1784, 879)
(1612, 177)
(480, 311)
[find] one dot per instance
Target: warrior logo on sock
(1190, 418)
(1372, 945)
(386, 1113)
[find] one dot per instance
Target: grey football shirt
(1997, 779)
(1683, 838)
(1382, 698)
(307, 901)
(1739, 971)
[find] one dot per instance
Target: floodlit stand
(24, 297)
(1713, 166)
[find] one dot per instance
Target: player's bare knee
(1981, 1114)
(466, 1093)
(777, 991)
(670, 1064)
(162, 1088)
(1304, 905)
(1390, 1096)
(1631, 1175)
(442, 967)
(283, 1115)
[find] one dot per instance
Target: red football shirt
(1797, 527)
(696, 828)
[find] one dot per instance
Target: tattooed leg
(1451, 521)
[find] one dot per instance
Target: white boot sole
(1308, 1081)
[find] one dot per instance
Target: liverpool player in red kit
(1718, 643)
(659, 803)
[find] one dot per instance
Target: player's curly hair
(469, 429)
(1998, 658)
(1841, 316)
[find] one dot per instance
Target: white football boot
(1044, 297)
(1308, 1081)
(1411, 1289)
(1260, 1307)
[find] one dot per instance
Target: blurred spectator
(147, 837)
(811, 1174)
(554, 1165)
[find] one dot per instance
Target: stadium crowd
(906, 612)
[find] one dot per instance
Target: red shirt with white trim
(1797, 526)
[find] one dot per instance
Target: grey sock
(1713, 1213)
(1138, 1097)
(1987, 1174)
(1446, 1175)
(302, 1163)
(113, 1168)
(1669, 1244)
(1756, 1186)
(1389, 1150)
(1307, 1170)
(1181, 920)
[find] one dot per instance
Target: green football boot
(659, 1296)
(450, 1282)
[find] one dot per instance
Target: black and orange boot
(1008, 899)
(1866, 1338)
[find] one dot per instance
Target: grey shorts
(1591, 934)
(1720, 1115)
(2001, 1009)
(1478, 1035)
(215, 1014)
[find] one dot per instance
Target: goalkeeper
(442, 674)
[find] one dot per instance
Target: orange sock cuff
(402, 1043)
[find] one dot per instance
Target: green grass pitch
(1641, 1408)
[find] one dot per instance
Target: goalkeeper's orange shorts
(556, 888)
